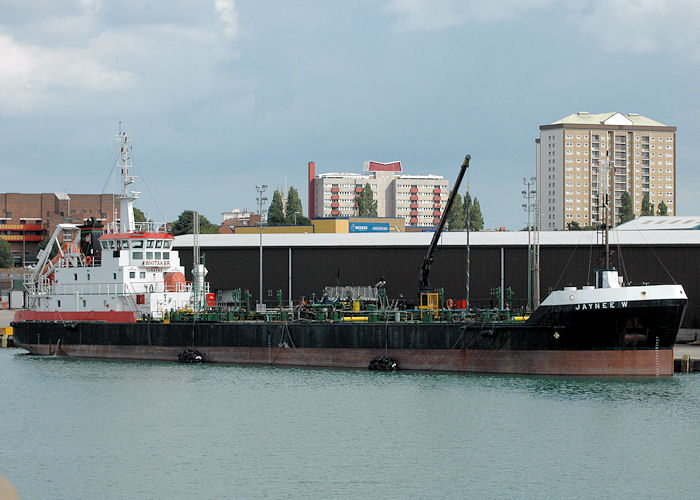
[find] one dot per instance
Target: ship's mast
(126, 199)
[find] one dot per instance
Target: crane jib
(423, 284)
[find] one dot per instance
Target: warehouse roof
(660, 223)
(454, 238)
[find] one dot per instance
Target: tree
(646, 206)
(42, 244)
(663, 209)
(476, 220)
(573, 226)
(275, 214)
(366, 205)
(6, 258)
(139, 216)
(626, 208)
(183, 224)
(456, 219)
(294, 207)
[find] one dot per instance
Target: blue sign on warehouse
(369, 227)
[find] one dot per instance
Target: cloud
(86, 49)
(228, 16)
(617, 26)
(427, 15)
(641, 26)
(32, 73)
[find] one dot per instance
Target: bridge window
(166, 244)
(159, 243)
(137, 244)
(125, 243)
(149, 243)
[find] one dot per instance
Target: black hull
(553, 336)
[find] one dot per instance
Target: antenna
(126, 199)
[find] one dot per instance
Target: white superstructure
(130, 267)
(610, 294)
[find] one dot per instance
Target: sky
(220, 96)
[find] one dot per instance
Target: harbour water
(106, 429)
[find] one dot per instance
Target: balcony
(436, 191)
(358, 189)
(414, 213)
(414, 190)
(335, 190)
(414, 198)
(436, 198)
(335, 205)
(414, 205)
(334, 197)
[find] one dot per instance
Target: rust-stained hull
(541, 362)
(635, 340)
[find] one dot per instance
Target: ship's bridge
(144, 249)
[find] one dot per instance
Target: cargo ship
(119, 291)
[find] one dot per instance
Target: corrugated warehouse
(567, 258)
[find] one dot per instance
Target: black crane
(423, 284)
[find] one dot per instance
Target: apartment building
(584, 156)
(418, 199)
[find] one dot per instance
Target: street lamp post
(295, 218)
(261, 199)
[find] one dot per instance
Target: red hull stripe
(107, 316)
